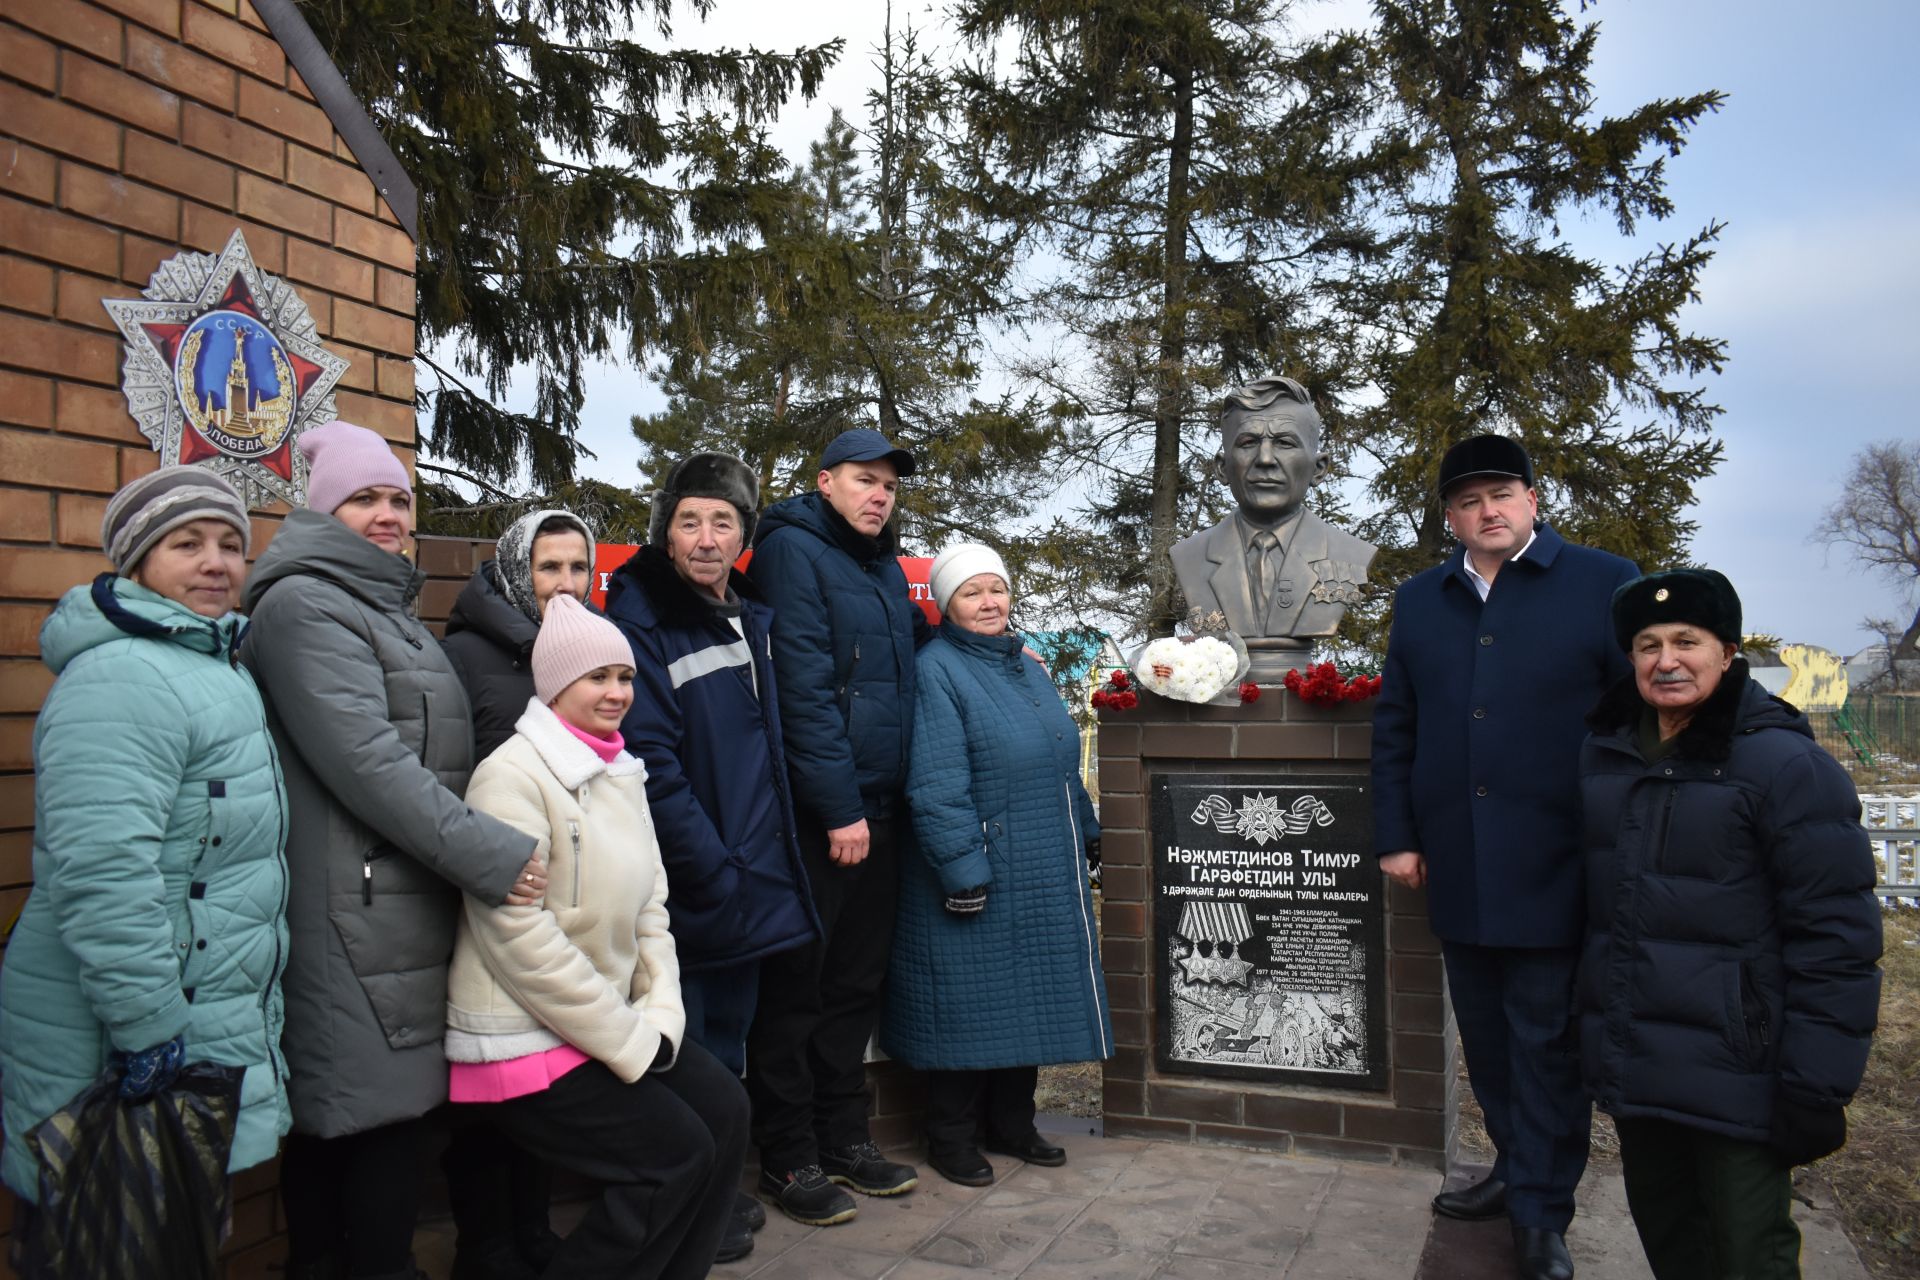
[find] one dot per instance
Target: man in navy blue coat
(706, 721)
(844, 636)
(1493, 661)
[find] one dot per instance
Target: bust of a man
(1278, 573)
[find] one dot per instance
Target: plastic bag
(134, 1190)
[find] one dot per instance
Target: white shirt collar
(1483, 585)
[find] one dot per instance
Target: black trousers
(1708, 1207)
(666, 1151)
(354, 1198)
(964, 1106)
(819, 1004)
(497, 1192)
(1515, 1010)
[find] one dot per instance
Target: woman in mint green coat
(155, 933)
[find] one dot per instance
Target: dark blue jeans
(720, 1004)
(1515, 1010)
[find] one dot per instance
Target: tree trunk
(1170, 398)
(1908, 649)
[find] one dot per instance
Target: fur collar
(573, 762)
(1708, 736)
(674, 602)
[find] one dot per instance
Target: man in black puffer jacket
(1728, 990)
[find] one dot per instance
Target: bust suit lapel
(1229, 577)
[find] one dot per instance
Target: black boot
(530, 1185)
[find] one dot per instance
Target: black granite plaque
(1270, 953)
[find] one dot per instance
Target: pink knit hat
(572, 642)
(343, 459)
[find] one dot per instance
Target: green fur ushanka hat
(1702, 597)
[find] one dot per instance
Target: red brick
(16, 865)
(42, 573)
(370, 239)
(140, 257)
(208, 229)
(1176, 741)
(80, 300)
(343, 184)
(359, 375)
(254, 52)
(394, 377)
(65, 352)
(26, 401)
(181, 69)
(58, 126)
(25, 286)
(1219, 1106)
(16, 752)
(57, 462)
(225, 6)
(27, 57)
(135, 463)
(24, 683)
(26, 515)
(251, 16)
(1121, 812)
(397, 291)
(77, 518)
(1390, 1124)
(1294, 1115)
(100, 412)
(280, 111)
(284, 207)
(1123, 1097)
(1286, 741)
(382, 331)
(69, 22)
(177, 169)
(228, 139)
(1124, 919)
(28, 172)
(161, 15)
(296, 85)
(112, 199)
(393, 419)
(334, 272)
(115, 93)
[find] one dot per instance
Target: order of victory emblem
(224, 367)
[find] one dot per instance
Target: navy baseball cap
(864, 444)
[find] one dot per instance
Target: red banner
(609, 556)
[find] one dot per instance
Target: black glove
(1802, 1134)
(967, 902)
(147, 1072)
(1093, 853)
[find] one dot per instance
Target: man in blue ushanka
(1494, 658)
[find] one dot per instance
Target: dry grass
(1603, 1151)
(1874, 1180)
(1070, 1089)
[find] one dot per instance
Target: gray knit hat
(706, 475)
(147, 509)
(513, 556)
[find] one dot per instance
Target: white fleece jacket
(592, 966)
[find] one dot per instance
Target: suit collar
(1539, 557)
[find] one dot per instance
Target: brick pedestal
(1413, 1121)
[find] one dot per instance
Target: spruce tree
(580, 190)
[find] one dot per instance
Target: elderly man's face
(1271, 457)
(1677, 666)
(703, 541)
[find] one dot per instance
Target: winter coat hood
(484, 608)
(113, 608)
(813, 513)
(320, 546)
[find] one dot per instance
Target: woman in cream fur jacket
(565, 1017)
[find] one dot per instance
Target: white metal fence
(1893, 827)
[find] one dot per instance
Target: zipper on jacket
(1660, 832)
(366, 878)
(1750, 994)
(573, 831)
(1082, 893)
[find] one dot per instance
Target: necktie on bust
(1262, 569)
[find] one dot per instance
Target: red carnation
(1249, 692)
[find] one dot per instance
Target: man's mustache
(1671, 677)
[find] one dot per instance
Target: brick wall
(130, 130)
(1412, 1122)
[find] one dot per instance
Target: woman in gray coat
(376, 741)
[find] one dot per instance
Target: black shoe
(495, 1260)
(1483, 1200)
(737, 1243)
(750, 1211)
(537, 1244)
(863, 1168)
(968, 1167)
(1542, 1254)
(805, 1195)
(1032, 1150)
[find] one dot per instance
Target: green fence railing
(1873, 729)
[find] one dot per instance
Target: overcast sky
(1812, 164)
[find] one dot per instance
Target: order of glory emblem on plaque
(223, 366)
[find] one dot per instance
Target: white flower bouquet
(1192, 668)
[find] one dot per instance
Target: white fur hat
(958, 563)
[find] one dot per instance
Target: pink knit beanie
(571, 642)
(343, 459)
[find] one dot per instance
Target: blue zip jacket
(160, 885)
(1477, 732)
(844, 635)
(706, 722)
(995, 794)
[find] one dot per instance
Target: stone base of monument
(1270, 987)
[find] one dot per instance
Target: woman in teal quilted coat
(156, 932)
(996, 958)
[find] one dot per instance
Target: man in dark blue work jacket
(1494, 659)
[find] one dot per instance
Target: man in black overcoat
(1493, 660)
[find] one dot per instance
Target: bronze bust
(1278, 574)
